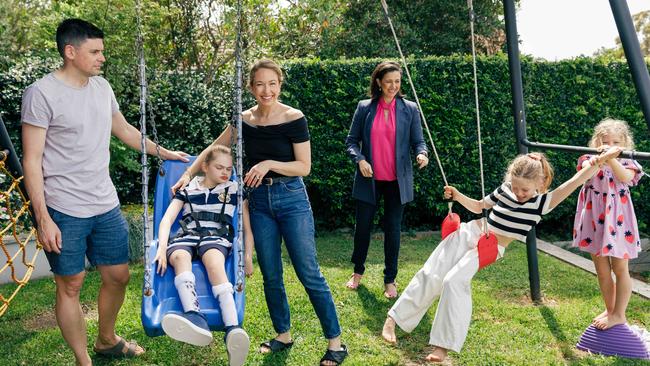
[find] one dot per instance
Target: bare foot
(600, 323)
(600, 316)
(438, 355)
(354, 281)
(388, 332)
(609, 321)
(390, 290)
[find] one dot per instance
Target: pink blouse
(382, 141)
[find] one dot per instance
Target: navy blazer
(408, 136)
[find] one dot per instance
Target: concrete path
(638, 287)
(41, 267)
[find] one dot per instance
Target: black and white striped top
(511, 218)
(208, 199)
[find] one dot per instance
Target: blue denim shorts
(103, 239)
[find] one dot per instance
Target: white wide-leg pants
(446, 274)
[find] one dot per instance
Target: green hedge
(564, 100)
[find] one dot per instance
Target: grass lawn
(506, 328)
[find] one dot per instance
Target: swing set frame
(640, 76)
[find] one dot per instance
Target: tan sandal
(121, 349)
(390, 290)
(354, 281)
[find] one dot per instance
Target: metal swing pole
(632, 49)
(514, 64)
(637, 65)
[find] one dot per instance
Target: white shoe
(190, 327)
(237, 345)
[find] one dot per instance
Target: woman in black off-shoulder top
(278, 155)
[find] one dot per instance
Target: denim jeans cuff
(334, 336)
(280, 331)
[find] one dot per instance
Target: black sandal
(335, 356)
(276, 346)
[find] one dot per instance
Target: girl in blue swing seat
(208, 204)
(516, 206)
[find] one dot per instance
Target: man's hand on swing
(174, 155)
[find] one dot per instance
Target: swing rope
(424, 120)
(415, 94)
(472, 17)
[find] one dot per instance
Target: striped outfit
(511, 218)
(450, 268)
(201, 199)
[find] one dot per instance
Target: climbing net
(16, 234)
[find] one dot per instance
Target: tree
(642, 26)
(424, 27)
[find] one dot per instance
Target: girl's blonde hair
(610, 126)
(215, 151)
(531, 166)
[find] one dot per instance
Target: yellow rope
(17, 221)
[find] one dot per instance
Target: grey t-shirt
(76, 154)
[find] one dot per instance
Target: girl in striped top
(516, 206)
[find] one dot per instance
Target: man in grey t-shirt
(68, 118)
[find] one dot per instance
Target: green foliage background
(564, 100)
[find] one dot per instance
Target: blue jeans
(282, 211)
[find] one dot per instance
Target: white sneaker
(190, 327)
(237, 344)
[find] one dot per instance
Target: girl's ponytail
(533, 166)
(547, 170)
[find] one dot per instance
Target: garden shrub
(564, 100)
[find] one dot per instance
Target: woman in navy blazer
(384, 131)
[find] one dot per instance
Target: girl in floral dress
(605, 224)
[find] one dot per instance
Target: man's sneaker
(189, 327)
(237, 345)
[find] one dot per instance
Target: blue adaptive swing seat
(164, 297)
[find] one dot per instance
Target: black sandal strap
(335, 356)
(275, 346)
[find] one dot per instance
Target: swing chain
(144, 161)
(154, 131)
(237, 121)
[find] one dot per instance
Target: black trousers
(391, 225)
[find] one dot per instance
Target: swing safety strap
(225, 229)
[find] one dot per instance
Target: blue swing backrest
(164, 297)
